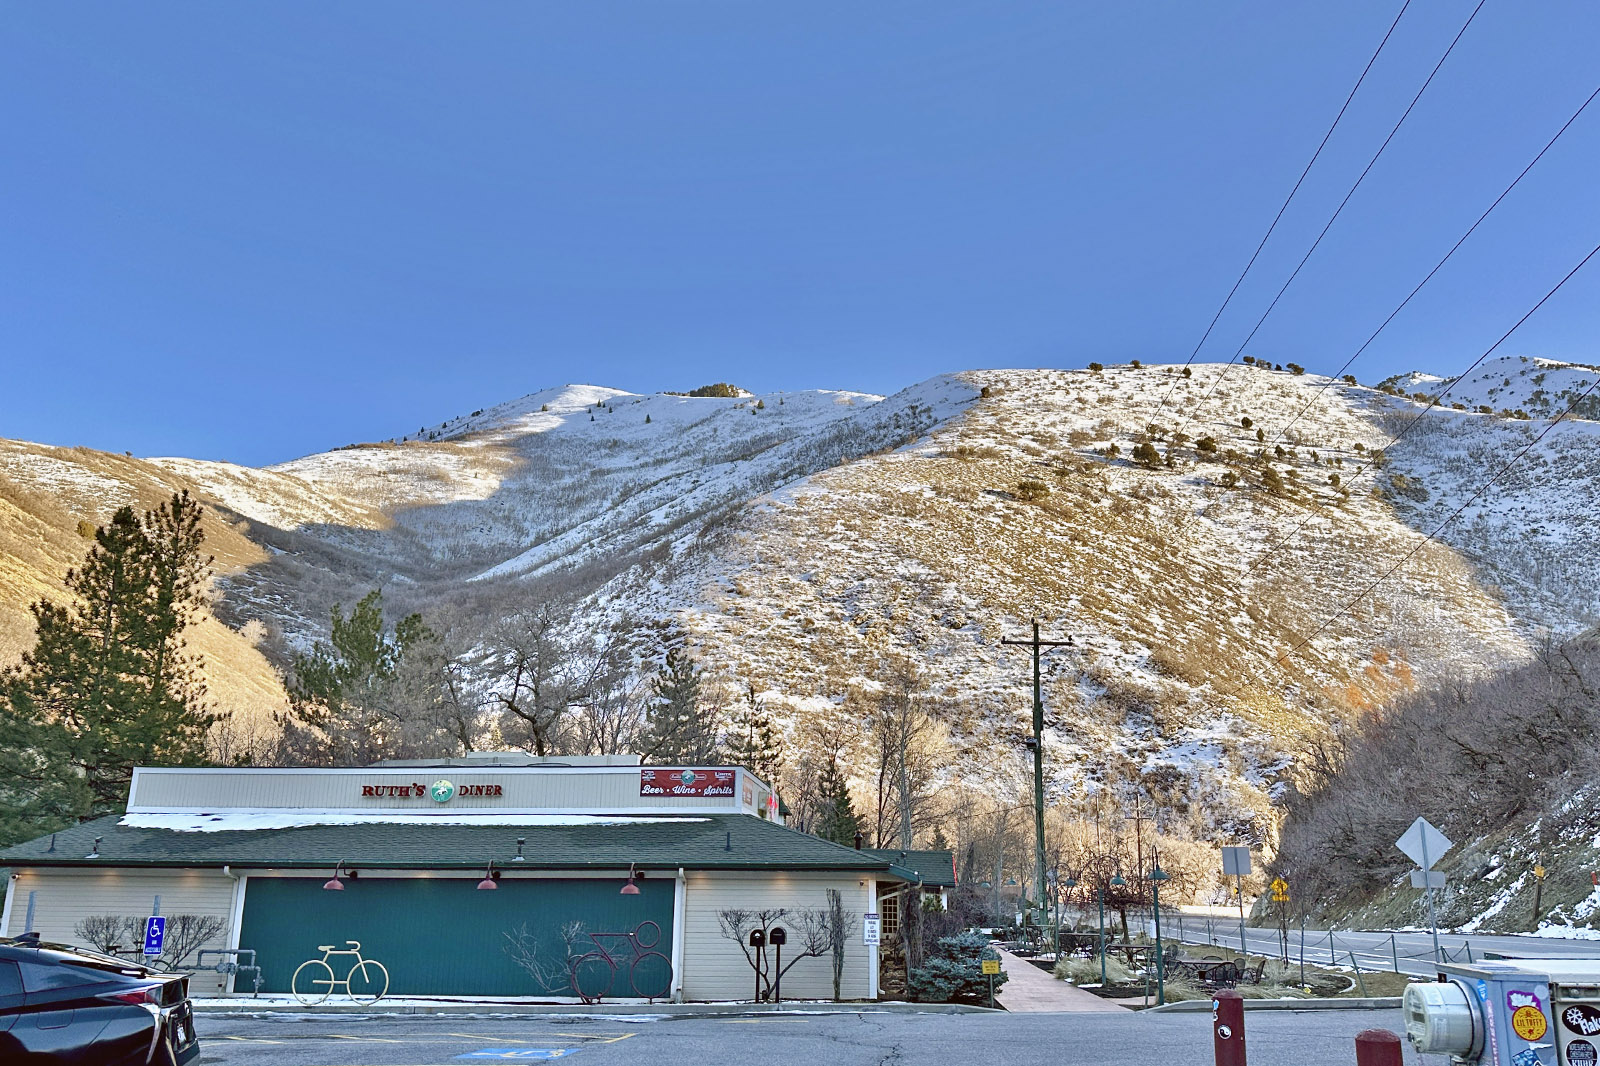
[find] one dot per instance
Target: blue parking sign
(155, 931)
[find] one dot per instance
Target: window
(889, 912)
(10, 980)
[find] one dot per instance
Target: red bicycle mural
(649, 972)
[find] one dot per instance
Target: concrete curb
(659, 1011)
(1196, 1006)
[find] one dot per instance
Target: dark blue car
(69, 1005)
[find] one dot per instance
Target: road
(1373, 950)
(1276, 1038)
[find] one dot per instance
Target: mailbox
(757, 938)
(777, 937)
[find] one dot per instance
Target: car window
(10, 979)
(39, 978)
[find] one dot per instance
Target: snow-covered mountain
(802, 541)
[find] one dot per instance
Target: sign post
(1235, 864)
(990, 968)
(1423, 843)
(1280, 896)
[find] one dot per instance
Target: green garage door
(441, 936)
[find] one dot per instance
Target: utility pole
(1036, 742)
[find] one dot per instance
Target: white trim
(5, 913)
(236, 921)
(873, 961)
(679, 909)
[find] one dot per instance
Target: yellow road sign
(991, 966)
(1280, 890)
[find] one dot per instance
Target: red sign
(686, 782)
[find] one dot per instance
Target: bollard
(1377, 1047)
(1227, 1027)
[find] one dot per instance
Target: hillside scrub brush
(1206, 445)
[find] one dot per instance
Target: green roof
(934, 869)
(710, 842)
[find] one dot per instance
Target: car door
(59, 1015)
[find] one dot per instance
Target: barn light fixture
(629, 888)
(487, 884)
(333, 884)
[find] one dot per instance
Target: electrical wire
(1323, 388)
(1338, 210)
(1434, 402)
(1498, 474)
(1298, 182)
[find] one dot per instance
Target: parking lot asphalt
(1274, 1038)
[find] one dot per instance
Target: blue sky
(254, 231)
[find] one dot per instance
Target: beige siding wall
(715, 968)
(67, 897)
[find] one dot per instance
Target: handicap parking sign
(155, 931)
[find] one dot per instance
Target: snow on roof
(238, 819)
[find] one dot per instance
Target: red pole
(1227, 1027)
(1377, 1047)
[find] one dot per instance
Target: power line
(1436, 268)
(1298, 182)
(1435, 401)
(1471, 500)
(1338, 210)
(1584, 395)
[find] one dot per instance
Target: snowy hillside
(1540, 388)
(805, 541)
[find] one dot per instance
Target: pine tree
(676, 726)
(365, 694)
(754, 742)
(107, 684)
(836, 815)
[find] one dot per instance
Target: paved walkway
(1032, 989)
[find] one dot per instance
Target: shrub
(647, 420)
(1247, 421)
(1261, 436)
(1033, 490)
(951, 972)
(1095, 368)
(721, 388)
(1082, 971)
(1146, 454)
(1333, 479)
(1206, 445)
(1296, 368)
(1135, 364)
(1230, 479)
(984, 391)
(1273, 481)
(1349, 379)
(1188, 373)
(86, 529)
(761, 405)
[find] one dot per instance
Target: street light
(1157, 875)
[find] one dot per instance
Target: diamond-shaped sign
(1423, 844)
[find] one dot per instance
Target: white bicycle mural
(365, 982)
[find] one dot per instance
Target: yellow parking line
(243, 1039)
(595, 1038)
(366, 1039)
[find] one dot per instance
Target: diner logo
(439, 791)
